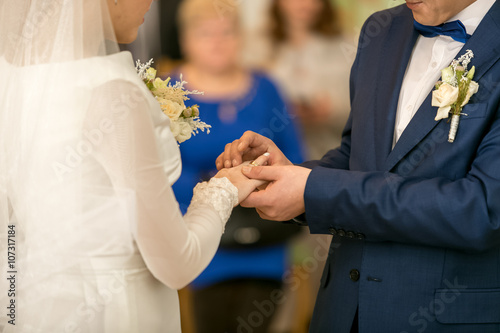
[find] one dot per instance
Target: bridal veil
(44, 103)
(80, 164)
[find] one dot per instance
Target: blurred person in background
(247, 271)
(306, 59)
(300, 46)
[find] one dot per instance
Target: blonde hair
(192, 11)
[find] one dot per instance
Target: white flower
(442, 113)
(473, 88)
(172, 109)
(182, 131)
(175, 128)
(443, 98)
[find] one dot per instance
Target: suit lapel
(486, 47)
(485, 43)
(420, 125)
(395, 55)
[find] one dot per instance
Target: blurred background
(279, 68)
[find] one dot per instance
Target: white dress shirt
(429, 57)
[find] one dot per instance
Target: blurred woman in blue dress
(246, 273)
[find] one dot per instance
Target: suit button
(354, 275)
(350, 234)
(333, 231)
(360, 236)
(341, 233)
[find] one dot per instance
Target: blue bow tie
(454, 29)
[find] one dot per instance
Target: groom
(415, 219)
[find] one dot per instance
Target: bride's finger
(261, 160)
(263, 186)
(247, 187)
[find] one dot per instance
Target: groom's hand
(283, 198)
(249, 147)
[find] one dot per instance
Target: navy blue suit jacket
(416, 228)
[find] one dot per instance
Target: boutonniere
(454, 91)
(184, 121)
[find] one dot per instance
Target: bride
(92, 239)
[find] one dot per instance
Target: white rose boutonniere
(454, 91)
(184, 121)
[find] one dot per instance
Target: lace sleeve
(219, 193)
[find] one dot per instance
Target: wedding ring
(254, 162)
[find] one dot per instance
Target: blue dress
(261, 110)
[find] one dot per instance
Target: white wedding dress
(100, 243)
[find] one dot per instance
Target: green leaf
(471, 73)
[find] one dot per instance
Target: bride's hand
(244, 185)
